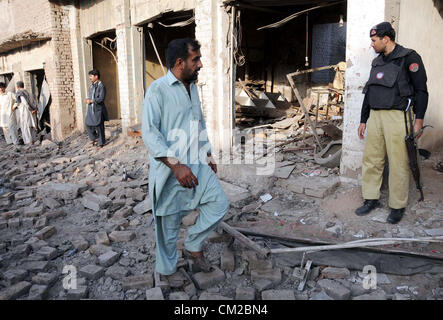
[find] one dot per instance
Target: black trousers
(97, 132)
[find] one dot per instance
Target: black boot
(395, 215)
(367, 207)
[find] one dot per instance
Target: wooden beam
(244, 240)
(305, 111)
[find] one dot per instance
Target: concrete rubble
(77, 212)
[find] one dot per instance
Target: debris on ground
(65, 205)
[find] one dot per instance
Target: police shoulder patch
(414, 67)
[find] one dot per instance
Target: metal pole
(156, 52)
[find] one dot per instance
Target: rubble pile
(70, 206)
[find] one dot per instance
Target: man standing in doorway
(96, 113)
(397, 74)
(182, 171)
(8, 118)
(27, 111)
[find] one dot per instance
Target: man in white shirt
(8, 120)
(26, 113)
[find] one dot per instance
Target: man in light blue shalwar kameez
(182, 174)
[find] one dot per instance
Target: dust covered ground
(67, 205)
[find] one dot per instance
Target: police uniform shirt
(417, 75)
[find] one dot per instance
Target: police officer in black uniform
(397, 74)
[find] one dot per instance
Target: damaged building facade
(60, 41)
(35, 46)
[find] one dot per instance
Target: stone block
(46, 232)
(101, 237)
(321, 296)
(154, 294)
(136, 194)
(76, 294)
(273, 275)
(62, 191)
(143, 207)
(41, 223)
(21, 251)
(15, 291)
(23, 195)
(95, 202)
(38, 292)
(99, 249)
(117, 272)
(180, 295)
(51, 203)
(116, 224)
(55, 214)
(13, 276)
(245, 293)
(12, 172)
(37, 245)
(123, 212)
(92, 272)
(212, 296)
(35, 266)
(122, 236)
(80, 244)
(48, 252)
(278, 295)
(376, 295)
(138, 282)
(108, 259)
(335, 273)
(33, 211)
(318, 187)
(257, 264)
(334, 289)
(28, 222)
(47, 279)
(206, 280)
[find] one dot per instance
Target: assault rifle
(412, 149)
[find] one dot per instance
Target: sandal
(200, 264)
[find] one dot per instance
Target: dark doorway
(162, 35)
(104, 55)
(6, 78)
(37, 78)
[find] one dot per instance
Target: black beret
(380, 29)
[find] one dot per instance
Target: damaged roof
(22, 39)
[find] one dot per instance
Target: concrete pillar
(125, 33)
(138, 77)
(59, 71)
(422, 35)
(362, 15)
(78, 66)
(212, 24)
